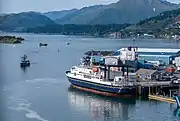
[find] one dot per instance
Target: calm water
(42, 92)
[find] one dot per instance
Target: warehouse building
(157, 55)
(147, 75)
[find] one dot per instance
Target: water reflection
(100, 107)
(24, 69)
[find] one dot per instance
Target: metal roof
(145, 71)
(158, 56)
(155, 50)
(158, 50)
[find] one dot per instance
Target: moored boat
(24, 62)
(67, 43)
(91, 79)
(41, 44)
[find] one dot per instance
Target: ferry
(92, 79)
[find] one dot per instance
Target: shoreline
(87, 36)
(11, 39)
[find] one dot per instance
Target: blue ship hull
(101, 88)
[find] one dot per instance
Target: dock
(159, 91)
(165, 98)
(153, 83)
(162, 98)
(155, 80)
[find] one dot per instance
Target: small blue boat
(177, 98)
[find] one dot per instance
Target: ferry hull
(102, 89)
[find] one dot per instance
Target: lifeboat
(95, 69)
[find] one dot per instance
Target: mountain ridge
(164, 25)
(124, 11)
(20, 21)
(58, 14)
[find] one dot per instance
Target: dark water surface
(43, 93)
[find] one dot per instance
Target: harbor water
(42, 92)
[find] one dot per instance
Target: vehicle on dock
(93, 79)
(24, 62)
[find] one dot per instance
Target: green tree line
(78, 29)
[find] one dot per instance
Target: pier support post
(170, 93)
(139, 90)
(156, 90)
(123, 70)
(149, 90)
(127, 71)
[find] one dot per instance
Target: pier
(167, 95)
(162, 98)
(154, 88)
(149, 78)
(159, 91)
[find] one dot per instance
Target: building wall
(177, 61)
(165, 59)
(148, 77)
(156, 75)
(144, 77)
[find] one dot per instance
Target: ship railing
(87, 75)
(76, 74)
(91, 76)
(124, 83)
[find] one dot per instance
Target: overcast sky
(9, 6)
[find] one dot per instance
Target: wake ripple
(31, 114)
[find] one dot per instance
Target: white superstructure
(128, 53)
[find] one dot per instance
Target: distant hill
(165, 24)
(72, 29)
(2, 14)
(59, 14)
(20, 21)
(124, 11)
